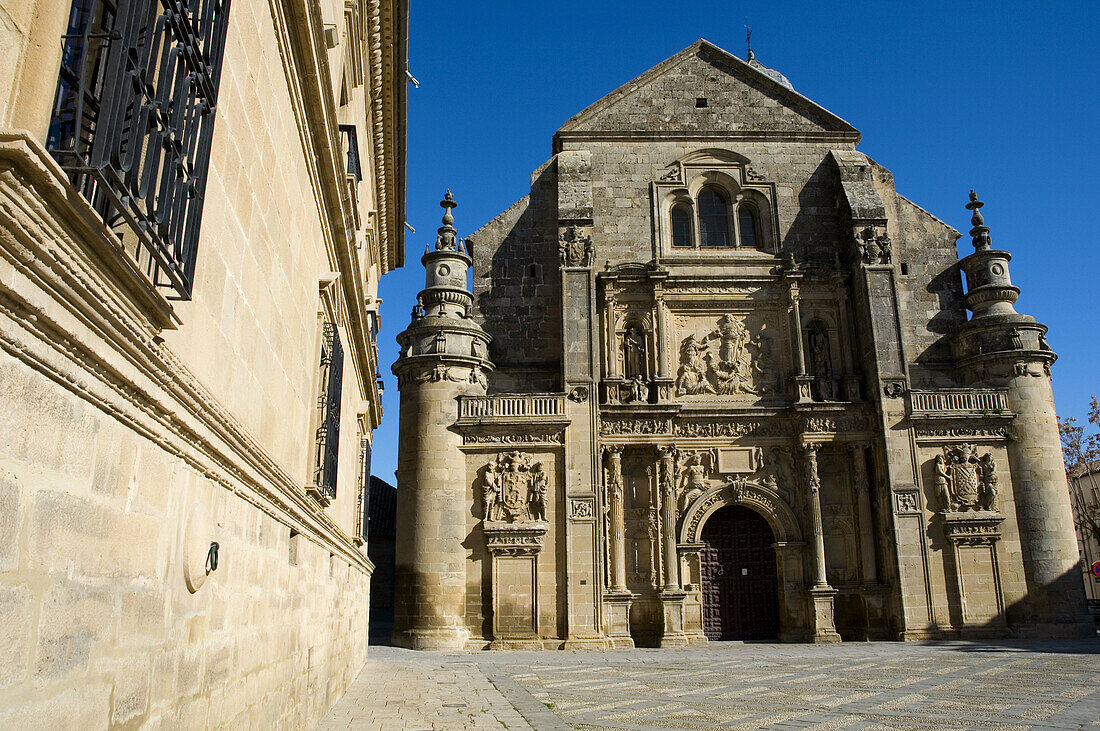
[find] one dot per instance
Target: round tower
(443, 356)
(1000, 345)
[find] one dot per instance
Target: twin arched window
(718, 225)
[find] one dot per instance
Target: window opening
(714, 229)
(681, 226)
(133, 120)
(700, 102)
(328, 434)
(746, 224)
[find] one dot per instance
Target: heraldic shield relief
(964, 481)
(514, 489)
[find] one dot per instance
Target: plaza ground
(733, 685)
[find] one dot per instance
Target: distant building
(197, 201)
(1084, 488)
(716, 379)
(382, 530)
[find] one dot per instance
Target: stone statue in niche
(821, 362)
(634, 352)
(514, 489)
(964, 481)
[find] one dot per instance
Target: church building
(713, 378)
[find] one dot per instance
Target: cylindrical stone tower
(443, 356)
(1010, 349)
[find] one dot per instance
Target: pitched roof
(663, 101)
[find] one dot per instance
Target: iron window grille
(363, 509)
(328, 434)
(133, 120)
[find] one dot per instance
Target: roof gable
(741, 99)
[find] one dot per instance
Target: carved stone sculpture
(575, 248)
(694, 469)
(692, 376)
(514, 489)
(634, 353)
(963, 481)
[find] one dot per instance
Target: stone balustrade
(953, 401)
(512, 406)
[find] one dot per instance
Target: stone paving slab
(733, 685)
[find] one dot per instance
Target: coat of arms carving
(575, 248)
(514, 489)
(965, 481)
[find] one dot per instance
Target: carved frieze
(710, 429)
(554, 437)
(972, 430)
(514, 488)
(833, 424)
(515, 539)
(964, 481)
(635, 426)
(972, 528)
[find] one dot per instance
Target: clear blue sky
(1002, 97)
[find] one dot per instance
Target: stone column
(617, 537)
(821, 594)
(661, 330)
(801, 380)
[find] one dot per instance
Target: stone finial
(446, 240)
(748, 44)
(980, 233)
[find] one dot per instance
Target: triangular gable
(740, 98)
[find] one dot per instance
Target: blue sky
(1000, 97)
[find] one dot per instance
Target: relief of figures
(964, 481)
(514, 489)
(740, 364)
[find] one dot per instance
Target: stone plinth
(515, 549)
(617, 619)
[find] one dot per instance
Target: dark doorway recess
(740, 588)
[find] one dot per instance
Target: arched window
(746, 225)
(681, 225)
(714, 220)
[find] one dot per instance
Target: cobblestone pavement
(731, 685)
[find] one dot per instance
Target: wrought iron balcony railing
(133, 120)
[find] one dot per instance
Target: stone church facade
(715, 378)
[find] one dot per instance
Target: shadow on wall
(518, 292)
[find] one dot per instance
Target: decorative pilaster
(857, 453)
(667, 473)
(617, 528)
(801, 381)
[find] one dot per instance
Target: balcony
(954, 402)
(512, 407)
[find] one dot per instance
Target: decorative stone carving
(557, 437)
(634, 391)
(740, 365)
(514, 489)
(874, 247)
(575, 248)
(906, 503)
(965, 431)
(514, 539)
(709, 429)
(831, 424)
(821, 361)
(693, 470)
(579, 394)
(581, 509)
(963, 481)
(894, 389)
(635, 426)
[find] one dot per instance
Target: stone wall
(138, 429)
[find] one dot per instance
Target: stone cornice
(561, 139)
(63, 315)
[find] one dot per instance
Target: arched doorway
(740, 585)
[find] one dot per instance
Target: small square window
(700, 102)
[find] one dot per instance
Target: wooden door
(740, 587)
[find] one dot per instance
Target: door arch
(739, 576)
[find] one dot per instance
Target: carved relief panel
(728, 356)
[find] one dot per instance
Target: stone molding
(515, 539)
(972, 528)
(756, 495)
(92, 340)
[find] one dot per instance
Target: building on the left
(197, 201)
